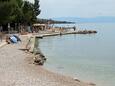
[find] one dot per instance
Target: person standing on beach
(1, 28)
(74, 28)
(1, 33)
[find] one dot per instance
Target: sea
(88, 57)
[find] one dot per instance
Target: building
(39, 27)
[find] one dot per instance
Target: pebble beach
(17, 69)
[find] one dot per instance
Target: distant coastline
(53, 21)
(100, 19)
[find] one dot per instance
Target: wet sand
(17, 69)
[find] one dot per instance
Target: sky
(76, 8)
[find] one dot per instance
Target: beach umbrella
(13, 39)
(18, 39)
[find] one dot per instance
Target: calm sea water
(87, 57)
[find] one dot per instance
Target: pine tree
(7, 9)
(18, 11)
(36, 7)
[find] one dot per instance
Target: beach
(16, 69)
(45, 45)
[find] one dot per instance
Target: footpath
(2, 43)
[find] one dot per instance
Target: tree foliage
(7, 9)
(36, 7)
(18, 11)
(28, 12)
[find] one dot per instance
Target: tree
(31, 11)
(36, 7)
(18, 11)
(28, 12)
(7, 9)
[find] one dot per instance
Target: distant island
(100, 19)
(53, 21)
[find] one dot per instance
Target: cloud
(80, 8)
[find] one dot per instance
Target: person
(1, 28)
(74, 28)
(7, 39)
(0, 36)
(1, 33)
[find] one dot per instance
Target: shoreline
(65, 33)
(33, 44)
(25, 73)
(73, 81)
(56, 72)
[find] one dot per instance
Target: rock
(39, 59)
(86, 32)
(91, 84)
(76, 79)
(94, 31)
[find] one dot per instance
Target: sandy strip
(2, 44)
(16, 70)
